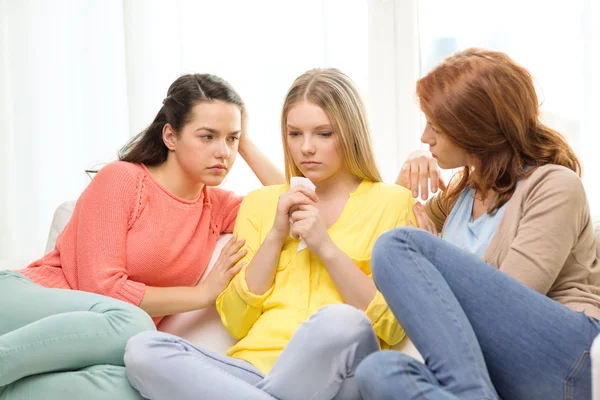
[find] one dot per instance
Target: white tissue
(295, 181)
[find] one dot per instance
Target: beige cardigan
(545, 238)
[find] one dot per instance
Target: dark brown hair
(188, 90)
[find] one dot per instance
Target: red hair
(484, 102)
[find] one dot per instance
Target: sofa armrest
(61, 218)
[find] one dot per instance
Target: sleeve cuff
(241, 287)
(132, 292)
(376, 308)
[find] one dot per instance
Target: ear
(169, 137)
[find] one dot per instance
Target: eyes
(324, 134)
(432, 127)
(210, 137)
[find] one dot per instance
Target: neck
(170, 175)
(342, 183)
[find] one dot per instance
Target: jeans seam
(410, 252)
(14, 350)
(568, 385)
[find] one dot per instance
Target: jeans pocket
(578, 383)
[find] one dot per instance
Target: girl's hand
(308, 225)
(224, 269)
(419, 171)
(288, 203)
(423, 219)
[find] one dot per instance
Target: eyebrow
(328, 126)
(216, 132)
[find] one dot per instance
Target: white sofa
(201, 327)
(204, 327)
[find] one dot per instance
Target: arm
(555, 212)
(160, 301)
(240, 305)
(262, 167)
(107, 209)
(356, 287)
(105, 212)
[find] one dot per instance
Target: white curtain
(557, 41)
(79, 78)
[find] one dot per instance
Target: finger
(424, 177)
(434, 179)
(235, 258)
(298, 199)
(414, 178)
(229, 243)
(307, 192)
(433, 228)
(234, 270)
(225, 249)
(406, 174)
(410, 223)
(300, 215)
(306, 207)
(423, 219)
(234, 248)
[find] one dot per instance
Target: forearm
(263, 168)
(356, 288)
(161, 301)
(260, 273)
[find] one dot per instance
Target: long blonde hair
(335, 93)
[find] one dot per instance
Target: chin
(315, 176)
(212, 180)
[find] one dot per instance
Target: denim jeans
(64, 344)
(318, 363)
(482, 334)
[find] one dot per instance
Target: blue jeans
(481, 333)
(318, 363)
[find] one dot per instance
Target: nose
(222, 151)
(427, 138)
(308, 146)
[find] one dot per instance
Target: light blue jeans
(318, 363)
(481, 333)
(58, 344)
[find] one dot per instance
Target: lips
(218, 167)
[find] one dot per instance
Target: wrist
(275, 237)
(245, 145)
(328, 252)
(201, 295)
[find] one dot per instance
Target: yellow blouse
(265, 323)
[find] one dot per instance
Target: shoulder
(119, 176)
(554, 180)
(389, 194)
(120, 170)
(265, 194)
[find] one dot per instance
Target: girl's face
(447, 154)
(314, 147)
(208, 144)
